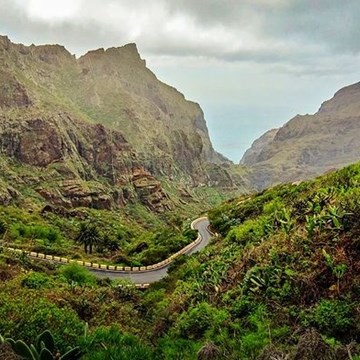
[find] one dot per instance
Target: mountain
(251, 155)
(99, 130)
(309, 145)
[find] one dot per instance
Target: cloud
(49, 10)
(272, 31)
(244, 60)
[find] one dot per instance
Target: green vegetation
(88, 236)
(280, 281)
(280, 277)
(132, 237)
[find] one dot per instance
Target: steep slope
(114, 87)
(101, 130)
(310, 145)
(71, 163)
(280, 280)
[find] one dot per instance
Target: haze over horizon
(251, 66)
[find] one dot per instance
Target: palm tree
(88, 236)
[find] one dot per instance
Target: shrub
(35, 280)
(250, 232)
(77, 274)
(194, 323)
(334, 317)
(241, 307)
(177, 349)
(27, 315)
(190, 234)
(34, 232)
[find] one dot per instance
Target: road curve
(150, 276)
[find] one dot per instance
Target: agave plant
(44, 349)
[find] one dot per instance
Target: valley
(103, 169)
(280, 279)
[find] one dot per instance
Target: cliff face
(73, 163)
(310, 145)
(104, 125)
(113, 87)
(155, 117)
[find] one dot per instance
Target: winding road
(150, 276)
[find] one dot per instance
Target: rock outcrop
(310, 145)
(75, 164)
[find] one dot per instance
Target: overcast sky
(251, 64)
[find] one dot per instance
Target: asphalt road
(149, 276)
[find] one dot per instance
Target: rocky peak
(346, 100)
(112, 87)
(53, 54)
(127, 54)
(251, 155)
(4, 42)
(129, 51)
(309, 145)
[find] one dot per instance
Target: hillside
(110, 93)
(280, 280)
(100, 143)
(310, 145)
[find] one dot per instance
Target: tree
(88, 236)
(107, 243)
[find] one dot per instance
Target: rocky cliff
(103, 125)
(71, 163)
(114, 87)
(251, 155)
(309, 145)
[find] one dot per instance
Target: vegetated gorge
(85, 175)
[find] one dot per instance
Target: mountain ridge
(310, 145)
(111, 91)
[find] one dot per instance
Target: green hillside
(280, 280)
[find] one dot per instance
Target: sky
(251, 64)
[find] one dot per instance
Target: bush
(35, 280)
(334, 317)
(77, 274)
(242, 307)
(34, 232)
(194, 323)
(250, 232)
(260, 333)
(177, 349)
(27, 315)
(190, 234)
